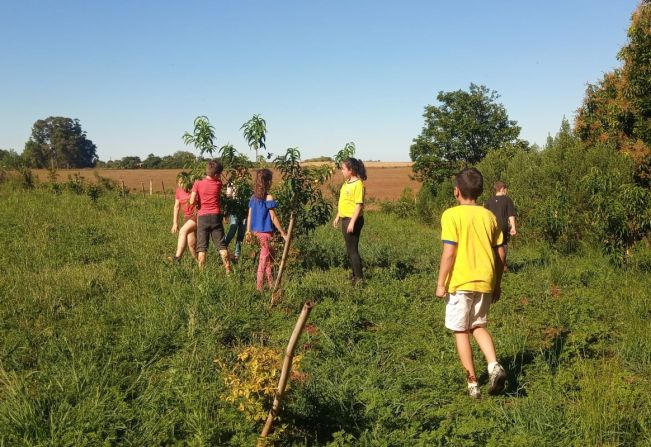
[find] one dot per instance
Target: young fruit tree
(301, 200)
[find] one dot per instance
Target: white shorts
(466, 310)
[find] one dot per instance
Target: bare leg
(192, 243)
(465, 354)
(225, 260)
(201, 258)
(189, 226)
(485, 342)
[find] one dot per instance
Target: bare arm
(500, 260)
(175, 224)
(358, 211)
(336, 221)
(276, 222)
(193, 198)
(247, 236)
(513, 231)
(447, 261)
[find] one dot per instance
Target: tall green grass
(103, 343)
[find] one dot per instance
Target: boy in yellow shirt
(470, 275)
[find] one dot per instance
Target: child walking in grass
(207, 194)
(470, 276)
(350, 212)
(237, 226)
(188, 232)
(502, 206)
(261, 220)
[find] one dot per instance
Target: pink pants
(264, 265)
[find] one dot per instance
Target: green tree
(130, 162)
(152, 162)
(59, 142)
(255, 133)
(9, 159)
(460, 132)
(617, 109)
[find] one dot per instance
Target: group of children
(472, 262)
(204, 219)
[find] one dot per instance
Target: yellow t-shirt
(474, 230)
(351, 194)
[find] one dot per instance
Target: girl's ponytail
(356, 166)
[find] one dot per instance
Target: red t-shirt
(208, 195)
(183, 198)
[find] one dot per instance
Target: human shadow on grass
(517, 364)
(317, 416)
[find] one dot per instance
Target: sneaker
(474, 391)
(496, 380)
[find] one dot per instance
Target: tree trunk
(283, 260)
(287, 365)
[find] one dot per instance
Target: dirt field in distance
(386, 180)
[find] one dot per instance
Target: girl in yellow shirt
(350, 212)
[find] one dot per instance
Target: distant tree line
(178, 160)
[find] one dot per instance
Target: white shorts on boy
(467, 310)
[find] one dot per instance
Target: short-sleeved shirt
(475, 232)
(503, 208)
(209, 195)
(260, 216)
(351, 194)
(184, 197)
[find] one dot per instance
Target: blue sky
(137, 73)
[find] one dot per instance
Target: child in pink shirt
(188, 232)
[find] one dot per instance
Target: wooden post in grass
(287, 366)
(162, 185)
(283, 260)
(123, 189)
(151, 188)
(142, 185)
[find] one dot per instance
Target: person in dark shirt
(502, 206)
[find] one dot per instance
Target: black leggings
(352, 244)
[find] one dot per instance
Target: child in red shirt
(207, 193)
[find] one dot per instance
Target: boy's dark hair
(214, 168)
(356, 166)
(263, 179)
(498, 186)
(470, 183)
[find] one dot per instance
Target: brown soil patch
(386, 180)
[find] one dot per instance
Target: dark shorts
(210, 225)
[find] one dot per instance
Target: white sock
(471, 384)
(491, 366)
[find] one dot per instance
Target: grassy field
(103, 343)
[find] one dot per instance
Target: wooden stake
(283, 260)
(162, 185)
(151, 188)
(142, 184)
(123, 189)
(287, 364)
